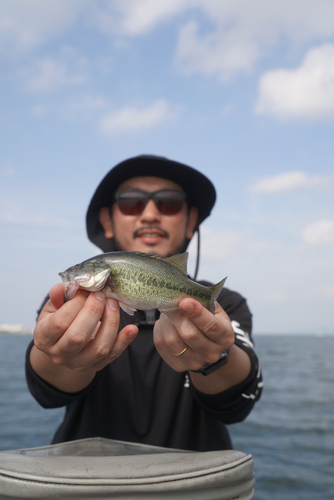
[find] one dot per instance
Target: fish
(141, 281)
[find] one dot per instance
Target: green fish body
(140, 281)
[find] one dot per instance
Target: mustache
(157, 229)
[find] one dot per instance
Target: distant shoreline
(12, 329)
(294, 334)
(26, 332)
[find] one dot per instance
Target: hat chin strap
(198, 253)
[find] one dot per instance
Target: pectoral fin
(129, 310)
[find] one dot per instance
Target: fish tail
(216, 289)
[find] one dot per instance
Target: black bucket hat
(198, 188)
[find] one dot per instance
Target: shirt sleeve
(46, 394)
(234, 404)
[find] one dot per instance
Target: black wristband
(212, 367)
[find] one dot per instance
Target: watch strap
(212, 367)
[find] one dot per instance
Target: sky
(243, 91)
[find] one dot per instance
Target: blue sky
(242, 91)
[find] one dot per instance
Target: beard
(180, 249)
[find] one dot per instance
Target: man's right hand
(71, 343)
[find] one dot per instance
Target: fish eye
(77, 267)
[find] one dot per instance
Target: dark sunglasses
(167, 201)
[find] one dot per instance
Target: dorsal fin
(179, 260)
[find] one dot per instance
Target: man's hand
(71, 341)
(203, 337)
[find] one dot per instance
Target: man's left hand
(200, 337)
(204, 335)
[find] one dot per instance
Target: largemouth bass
(140, 281)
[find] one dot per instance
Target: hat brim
(198, 188)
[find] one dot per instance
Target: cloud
(215, 38)
(29, 24)
(129, 119)
(319, 233)
(240, 33)
(137, 17)
(25, 26)
(49, 74)
(304, 92)
(216, 53)
(289, 181)
(221, 38)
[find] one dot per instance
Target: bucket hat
(198, 188)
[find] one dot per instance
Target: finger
(106, 332)
(179, 355)
(216, 327)
(123, 340)
(80, 330)
(167, 339)
(57, 295)
(53, 323)
(106, 345)
(56, 300)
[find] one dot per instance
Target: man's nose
(150, 212)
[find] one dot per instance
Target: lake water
(290, 433)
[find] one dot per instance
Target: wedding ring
(179, 353)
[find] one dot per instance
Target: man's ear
(192, 221)
(106, 223)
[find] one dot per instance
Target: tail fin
(216, 289)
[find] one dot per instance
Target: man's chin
(160, 250)
(152, 249)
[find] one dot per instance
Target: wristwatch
(212, 367)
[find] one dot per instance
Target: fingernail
(132, 334)
(188, 307)
(112, 303)
(99, 296)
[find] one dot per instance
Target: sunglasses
(167, 201)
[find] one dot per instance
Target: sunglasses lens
(170, 204)
(130, 204)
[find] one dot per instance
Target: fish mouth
(88, 281)
(68, 278)
(71, 284)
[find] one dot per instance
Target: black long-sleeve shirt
(139, 398)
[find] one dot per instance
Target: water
(290, 433)
(23, 423)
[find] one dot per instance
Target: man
(142, 378)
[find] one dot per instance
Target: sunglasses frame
(151, 196)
